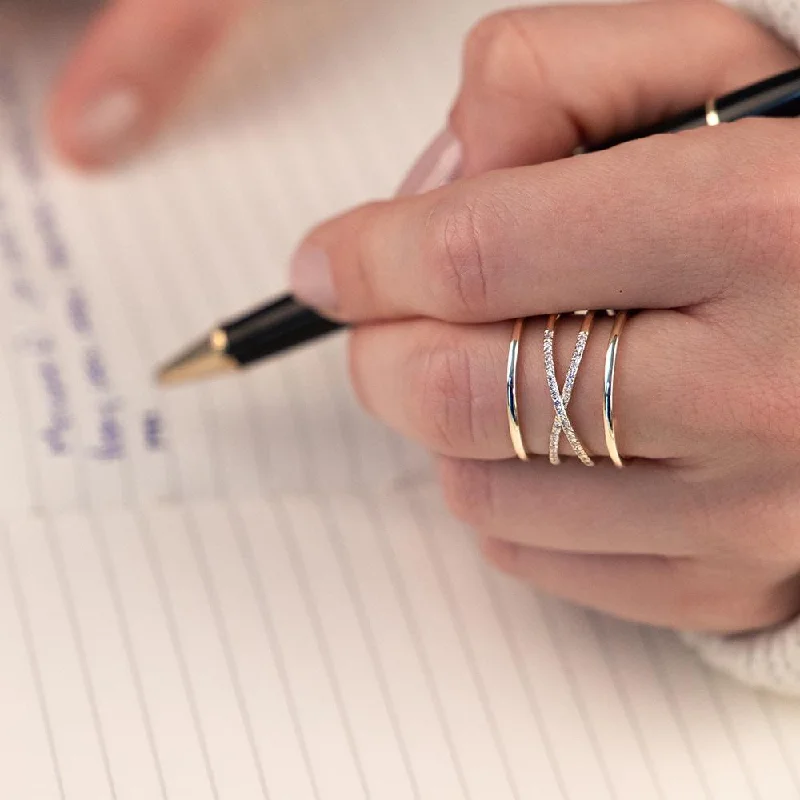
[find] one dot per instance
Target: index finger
(537, 82)
(656, 223)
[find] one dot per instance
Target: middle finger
(659, 223)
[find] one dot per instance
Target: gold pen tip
(202, 360)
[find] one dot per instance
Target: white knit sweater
(780, 16)
(770, 659)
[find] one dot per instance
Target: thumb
(539, 82)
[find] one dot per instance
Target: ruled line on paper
(625, 700)
(301, 576)
(676, 713)
(144, 534)
(508, 635)
(142, 337)
(369, 642)
(742, 760)
(401, 594)
(780, 739)
(389, 562)
(33, 661)
(467, 651)
(722, 715)
(247, 556)
(357, 603)
(56, 555)
(487, 633)
(101, 546)
(230, 660)
(219, 624)
(579, 701)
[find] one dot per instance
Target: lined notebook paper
(248, 590)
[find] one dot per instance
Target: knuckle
(467, 489)
(755, 415)
(715, 411)
(770, 415)
(502, 53)
(771, 223)
(458, 276)
(441, 396)
(775, 225)
(759, 220)
(724, 409)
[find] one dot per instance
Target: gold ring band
(608, 387)
(512, 405)
(712, 116)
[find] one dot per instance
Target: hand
(135, 62)
(701, 530)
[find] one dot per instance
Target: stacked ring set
(561, 397)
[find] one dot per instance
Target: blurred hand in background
(132, 67)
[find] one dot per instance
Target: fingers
(537, 82)
(135, 62)
(575, 510)
(444, 386)
(672, 593)
(659, 223)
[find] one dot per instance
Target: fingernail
(311, 279)
(438, 165)
(109, 127)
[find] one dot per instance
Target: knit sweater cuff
(765, 660)
(780, 16)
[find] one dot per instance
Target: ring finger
(444, 385)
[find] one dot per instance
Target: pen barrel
(279, 327)
(695, 118)
(777, 96)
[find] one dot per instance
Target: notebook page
(346, 646)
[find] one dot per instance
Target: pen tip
(204, 359)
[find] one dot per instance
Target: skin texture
(146, 50)
(699, 230)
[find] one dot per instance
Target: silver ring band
(608, 387)
(512, 405)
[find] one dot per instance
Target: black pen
(285, 323)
